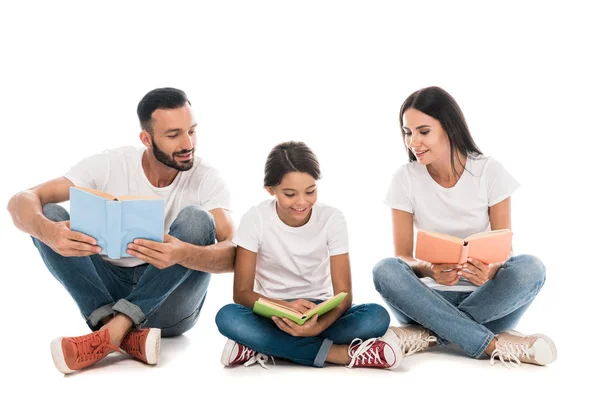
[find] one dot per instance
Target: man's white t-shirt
(293, 262)
(461, 210)
(119, 172)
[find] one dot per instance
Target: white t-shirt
(293, 262)
(461, 210)
(119, 172)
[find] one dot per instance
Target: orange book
(488, 247)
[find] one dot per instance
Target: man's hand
(161, 255)
(60, 238)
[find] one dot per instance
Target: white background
(332, 74)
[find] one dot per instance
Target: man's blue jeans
(469, 319)
(169, 299)
(241, 325)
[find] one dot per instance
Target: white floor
(189, 365)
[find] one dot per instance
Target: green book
(269, 309)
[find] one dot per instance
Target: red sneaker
(143, 344)
(384, 352)
(235, 353)
(73, 353)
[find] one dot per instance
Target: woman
(449, 187)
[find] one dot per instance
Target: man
(162, 287)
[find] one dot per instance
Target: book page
(97, 193)
(443, 236)
(126, 198)
(280, 307)
(486, 234)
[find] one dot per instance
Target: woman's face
(425, 137)
(296, 195)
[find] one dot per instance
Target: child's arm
(243, 279)
(341, 279)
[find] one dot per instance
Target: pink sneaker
(384, 352)
(514, 348)
(235, 353)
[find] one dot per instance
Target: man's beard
(169, 161)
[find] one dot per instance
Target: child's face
(295, 197)
(425, 137)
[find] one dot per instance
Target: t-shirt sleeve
(500, 183)
(399, 195)
(337, 235)
(91, 172)
(213, 192)
(249, 232)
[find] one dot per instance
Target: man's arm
(25, 209)
(216, 258)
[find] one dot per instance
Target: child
(450, 187)
(294, 251)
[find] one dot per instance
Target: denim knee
(225, 318)
(375, 322)
(55, 212)
(527, 270)
(388, 270)
(194, 225)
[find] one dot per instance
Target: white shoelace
(259, 358)
(415, 342)
(246, 353)
(510, 354)
(362, 352)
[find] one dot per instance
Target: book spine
(113, 229)
(464, 254)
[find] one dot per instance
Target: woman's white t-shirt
(293, 262)
(461, 210)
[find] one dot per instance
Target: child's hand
(301, 305)
(310, 327)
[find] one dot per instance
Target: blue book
(116, 221)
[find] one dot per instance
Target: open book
(116, 221)
(269, 309)
(488, 247)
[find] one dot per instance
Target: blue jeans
(469, 319)
(169, 299)
(241, 325)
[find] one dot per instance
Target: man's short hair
(162, 98)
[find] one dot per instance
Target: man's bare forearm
(25, 209)
(216, 258)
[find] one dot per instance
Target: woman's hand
(478, 272)
(310, 327)
(445, 274)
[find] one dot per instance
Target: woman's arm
(402, 222)
(402, 225)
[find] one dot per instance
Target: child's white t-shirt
(461, 210)
(119, 172)
(293, 262)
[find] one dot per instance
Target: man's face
(174, 137)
